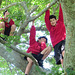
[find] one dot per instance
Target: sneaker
(40, 63)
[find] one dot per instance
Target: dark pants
(7, 31)
(38, 58)
(58, 49)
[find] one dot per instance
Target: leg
(2, 25)
(46, 52)
(28, 66)
(13, 27)
(63, 53)
(61, 62)
(63, 57)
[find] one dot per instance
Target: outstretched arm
(47, 21)
(60, 14)
(32, 34)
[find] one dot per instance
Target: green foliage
(1, 29)
(70, 71)
(38, 69)
(54, 69)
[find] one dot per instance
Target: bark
(69, 15)
(12, 57)
(16, 59)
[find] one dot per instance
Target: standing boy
(37, 48)
(57, 34)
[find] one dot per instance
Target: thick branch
(19, 51)
(13, 58)
(16, 59)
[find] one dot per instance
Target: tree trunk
(16, 59)
(69, 16)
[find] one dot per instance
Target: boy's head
(5, 13)
(53, 20)
(42, 39)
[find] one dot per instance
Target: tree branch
(10, 5)
(54, 9)
(22, 28)
(34, 8)
(25, 8)
(37, 29)
(51, 4)
(16, 59)
(29, 19)
(19, 51)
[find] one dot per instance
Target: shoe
(25, 58)
(40, 63)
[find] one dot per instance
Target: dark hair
(52, 16)
(5, 12)
(42, 37)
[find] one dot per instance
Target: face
(42, 40)
(6, 13)
(53, 21)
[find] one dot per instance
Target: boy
(57, 34)
(37, 48)
(8, 26)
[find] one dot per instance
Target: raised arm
(47, 21)
(32, 34)
(60, 14)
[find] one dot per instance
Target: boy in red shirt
(8, 26)
(37, 48)
(57, 34)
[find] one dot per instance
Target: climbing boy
(8, 27)
(57, 34)
(38, 49)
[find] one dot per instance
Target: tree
(22, 12)
(69, 61)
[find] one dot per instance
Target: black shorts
(58, 49)
(7, 31)
(37, 57)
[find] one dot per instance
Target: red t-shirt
(11, 22)
(35, 47)
(58, 32)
